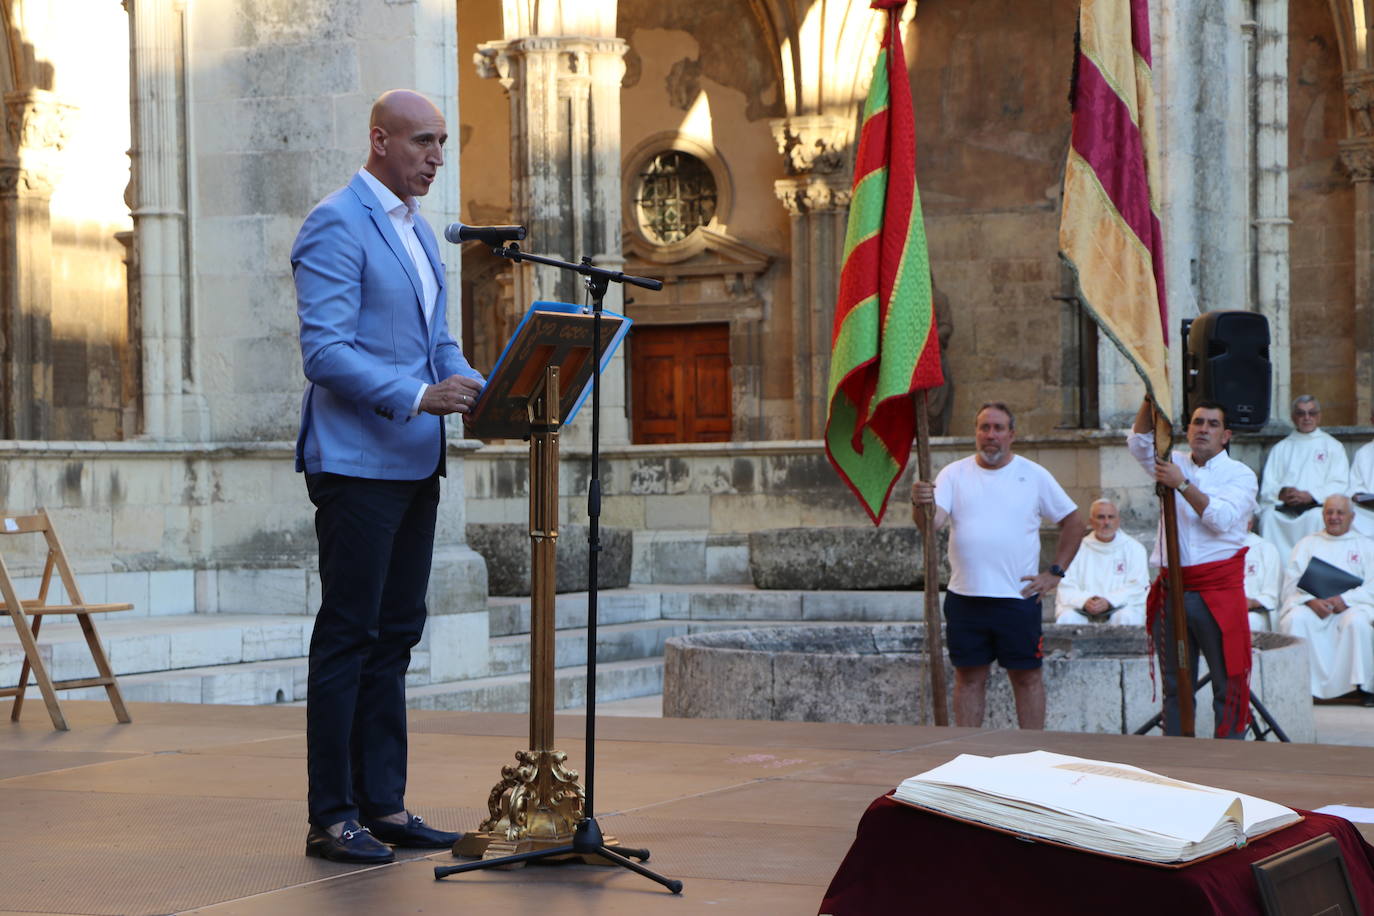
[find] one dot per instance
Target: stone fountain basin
(1097, 678)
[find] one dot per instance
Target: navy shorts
(980, 630)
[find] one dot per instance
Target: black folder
(1322, 580)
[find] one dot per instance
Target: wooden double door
(680, 383)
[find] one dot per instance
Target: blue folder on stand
(550, 333)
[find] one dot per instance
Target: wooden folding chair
(20, 610)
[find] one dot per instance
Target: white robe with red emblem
(1263, 579)
(1115, 570)
(1314, 462)
(1342, 645)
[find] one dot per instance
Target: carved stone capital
(813, 144)
(35, 120)
(577, 57)
(1359, 95)
(817, 194)
(36, 129)
(1357, 156)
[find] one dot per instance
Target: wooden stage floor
(201, 808)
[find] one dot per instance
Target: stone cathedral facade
(158, 160)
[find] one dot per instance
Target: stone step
(511, 692)
(511, 616)
(614, 642)
(262, 683)
(153, 644)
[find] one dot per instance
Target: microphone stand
(587, 837)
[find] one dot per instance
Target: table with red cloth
(905, 860)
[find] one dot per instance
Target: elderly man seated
(1263, 580)
(1336, 618)
(1108, 579)
(1301, 471)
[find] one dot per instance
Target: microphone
(487, 235)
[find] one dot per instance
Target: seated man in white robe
(1108, 578)
(1263, 579)
(1302, 470)
(1339, 628)
(1361, 488)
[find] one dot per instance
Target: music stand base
(588, 844)
(478, 844)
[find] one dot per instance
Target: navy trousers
(376, 542)
(1204, 637)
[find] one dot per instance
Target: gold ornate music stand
(541, 793)
(538, 801)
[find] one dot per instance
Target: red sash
(1221, 585)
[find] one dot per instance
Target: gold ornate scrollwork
(538, 798)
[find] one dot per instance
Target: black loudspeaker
(1226, 359)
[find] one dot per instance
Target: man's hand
(1168, 473)
(1321, 607)
(922, 492)
(1096, 605)
(1301, 498)
(1337, 604)
(1251, 603)
(455, 394)
(1039, 584)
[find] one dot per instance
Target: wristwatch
(1183, 487)
(1057, 570)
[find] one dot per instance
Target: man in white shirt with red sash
(1215, 497)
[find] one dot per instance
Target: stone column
(1270, 218)
(564, 93)
(816, 195)
(1357, 155)
(34, 134)
(157, 56)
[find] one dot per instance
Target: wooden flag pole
(1169, 510)
(935, 643)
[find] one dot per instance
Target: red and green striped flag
(884, 346)
(1109, 231)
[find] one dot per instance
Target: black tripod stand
(1272, 726)
(587, 837)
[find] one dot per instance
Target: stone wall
(227, 528)
(692, 506)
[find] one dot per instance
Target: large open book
(1103, 807)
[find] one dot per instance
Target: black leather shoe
(413, 834)
(355, 844)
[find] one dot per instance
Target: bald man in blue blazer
(382, 372)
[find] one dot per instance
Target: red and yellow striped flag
(884, 345)
(1109, 231)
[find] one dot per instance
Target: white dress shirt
(403, 214)
(1231, 488)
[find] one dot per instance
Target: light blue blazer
(364, 343)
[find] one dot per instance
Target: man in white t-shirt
(995, 502)
(1107, 581)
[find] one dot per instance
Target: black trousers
(376, 542)
(1204, 637)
